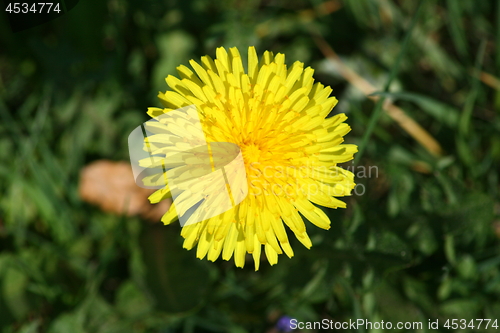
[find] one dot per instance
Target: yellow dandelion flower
(277, 117)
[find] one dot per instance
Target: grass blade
(394, 71)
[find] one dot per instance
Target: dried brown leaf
(111, 186)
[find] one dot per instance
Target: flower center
(251, 153)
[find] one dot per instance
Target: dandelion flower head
(277, 116)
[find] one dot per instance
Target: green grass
(422, 242)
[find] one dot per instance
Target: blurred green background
(421, 243)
